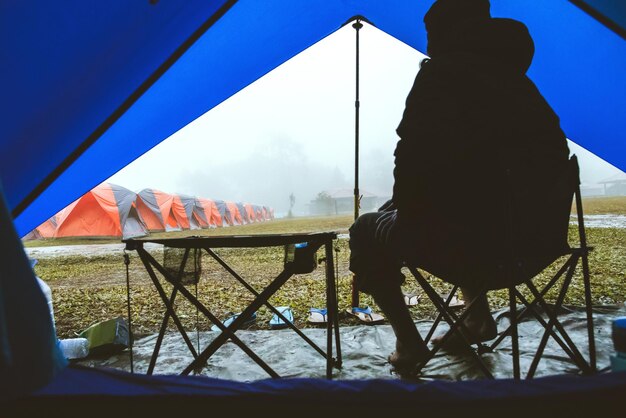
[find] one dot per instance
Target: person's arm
(413, 152)
(425, 131)
(387, 206)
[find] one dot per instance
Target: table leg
(260, 299)
(145, 258)
(331, 313)
(247, 313)
(333, 302)
(159, 341)
(227, 332)
(267, 304)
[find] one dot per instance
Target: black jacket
(480, 146)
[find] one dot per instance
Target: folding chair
(514, 279)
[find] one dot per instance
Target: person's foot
(479, 331)
(405, 359)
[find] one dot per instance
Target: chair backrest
(575, 176)
(534, 218)
(537, 233)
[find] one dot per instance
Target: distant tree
(324, 204)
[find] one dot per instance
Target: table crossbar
(314, 241)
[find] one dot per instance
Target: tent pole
(357, 25)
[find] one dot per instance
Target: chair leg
(452, 319)
(588, 309)
(554, 322)
(548, 327)
(586, 276)
(514, 333)
(530, 306)
(440, 315)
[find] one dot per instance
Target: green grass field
(91, 289)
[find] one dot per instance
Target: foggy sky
(292, 131)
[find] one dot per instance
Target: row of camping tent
(114, 211)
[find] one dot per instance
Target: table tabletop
(234, 241)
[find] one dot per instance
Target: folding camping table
(309, 244)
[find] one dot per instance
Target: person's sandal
(366, 315)
(232, 317)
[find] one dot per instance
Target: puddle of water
(83, 250)
(602, 221)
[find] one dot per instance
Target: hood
(506, 41)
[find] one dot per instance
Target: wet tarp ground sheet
(365, 350)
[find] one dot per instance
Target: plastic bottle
(46, 291)
(618, 361)
(48, 294)
(74, 348)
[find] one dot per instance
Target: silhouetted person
(476, 135)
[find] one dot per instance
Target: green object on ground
(107, 337)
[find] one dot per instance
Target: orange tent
(211, 213)
(234, 213)
(258, 211)
(45, 230)
(107, 210)
(48, 228)
(243, 213)
(155, 208)
(250, 211)
(194, 213)
(222, 207)
(32, 235)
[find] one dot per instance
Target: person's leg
(410, 347)
(378, 273)
(479, 321)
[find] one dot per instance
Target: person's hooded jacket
(477, 139)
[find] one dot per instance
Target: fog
(292, 131)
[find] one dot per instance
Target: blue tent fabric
(73, 66)
(78, 380)
(29, 353)
(106, 390)
(67, 67)
(611, 13)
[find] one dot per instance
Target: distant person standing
(292, 201)
(475, 129)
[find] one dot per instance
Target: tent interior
(143, 70)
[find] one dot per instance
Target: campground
(89, 287)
